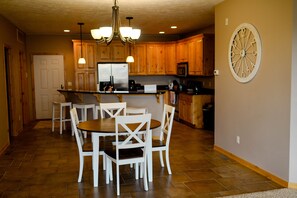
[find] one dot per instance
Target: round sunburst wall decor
(244, 52)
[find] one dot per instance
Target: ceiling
(51, 17)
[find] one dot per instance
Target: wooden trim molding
(256, 168)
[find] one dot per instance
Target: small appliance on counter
(194, 87)
(132, 86)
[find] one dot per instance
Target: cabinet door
(182, 52)
(185, 108)
(195, 56)
(170, 58)
(86, 80)
(119, 52)
(156, 59)
(90, 49)
(104, 53)
(139, 54)
(77, 55)
(208, 55)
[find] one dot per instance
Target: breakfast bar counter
(154, 102)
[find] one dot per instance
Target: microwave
(182, 69)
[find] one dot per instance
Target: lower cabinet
(190, 108)
(86, 80)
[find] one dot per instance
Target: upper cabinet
(85, 74)
(155, 58)
(150, 58)
(182, 51)
(201, 55)
(88, 52)
(138, 52)
(170, 58)
(115, 52)
(198, 51)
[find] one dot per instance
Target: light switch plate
(216, 72)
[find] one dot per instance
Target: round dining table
(106, 127)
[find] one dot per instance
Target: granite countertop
(110, 92)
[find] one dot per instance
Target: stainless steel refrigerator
(114, 74)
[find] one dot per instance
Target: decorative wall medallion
(244, 52)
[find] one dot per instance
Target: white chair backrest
(167, 122)
(135, 111)
(113, 109)
(78, 134)
(132, 125)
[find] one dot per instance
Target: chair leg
(64, 117)
(118, 179)
(161, 158)
(104, 161)
(53, 118)
(107, 171)
(167, 162)
(85, 118)
(81, 168)
(110, 171)
(136, 171)
(61, 118)
(145, 176)
(141, 170)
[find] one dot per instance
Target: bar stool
(61, 106)
(83, 109)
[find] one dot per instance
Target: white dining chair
(112, 109)
(133, 149)
(162, 144)
(83, 149)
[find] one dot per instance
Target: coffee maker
(132, 86)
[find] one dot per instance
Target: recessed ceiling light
(161, 32)
(173, 27)
(66, 30)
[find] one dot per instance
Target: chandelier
(107, 34)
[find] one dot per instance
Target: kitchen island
(154, 102)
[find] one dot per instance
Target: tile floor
(40, 163)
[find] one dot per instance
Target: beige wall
(258, 111)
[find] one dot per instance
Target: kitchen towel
(172, 97)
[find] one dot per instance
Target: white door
(48, 77)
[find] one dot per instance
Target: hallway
(40, 163)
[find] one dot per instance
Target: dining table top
(107, 125)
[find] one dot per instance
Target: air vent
(20, 36)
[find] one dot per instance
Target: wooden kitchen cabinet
(86, 80)
(85, 74)
(182, 51)
(89, 53)
(155, 59)
(115, 52)
(170, 58)
(138, 51)
(190, 108)
(201, 55)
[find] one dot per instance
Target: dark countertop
(109, 92)
(203, 91)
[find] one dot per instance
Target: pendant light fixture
(130, 58)
(107, 34)
(81, 60)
